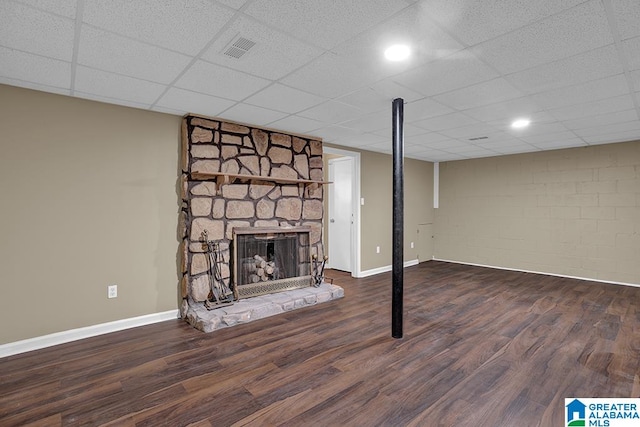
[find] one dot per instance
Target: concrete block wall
(572, 212)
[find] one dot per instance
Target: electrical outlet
(411, 245)
(112, 291)
(377, 249)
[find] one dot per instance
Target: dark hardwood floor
(481, 347)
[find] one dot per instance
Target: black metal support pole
(398, 218)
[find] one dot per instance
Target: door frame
(355, 191)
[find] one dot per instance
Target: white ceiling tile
(497, 139)
(324, 24)
(259, 116)
(391, 90)
(601, 119)
(473, 131)
(382, 146)
(427, 42)
(59, 7)
(115, 86)
(479, 94)
(219, 81)
(588, 109)
(273, 56)
(34, 31)
(283, 98)
(330, 76)
(447, 144)
(128, 51)
(592, 65)
(118, 54)
(34, 69)
(360, 62)
(583, 92)
(35, 86)
(475, 152)
(236, 4)
(632, 52)
(193, 102)
(474, 22)
(332, 133)
(536, 129)
(514, 149)
(607, 138)
(537, 119)
(183, 26)
(504, 144)
(610, 130)
(444, 157)
(414, 149)
(332, 112)
(561, 143)
(297, 124)
(351, 137)
(371, 122)
(426, 139)
(576, 30)
(171, 111)
(110, 100)
(424, 109)
(368, 138)
(635, 79)
(455, 71)
(548, 137)
(518, 107)
(627, 15)
(447, 121)
(367, 99)
(408, 130)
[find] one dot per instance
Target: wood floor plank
(481, 347)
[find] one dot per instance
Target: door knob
(332, 220)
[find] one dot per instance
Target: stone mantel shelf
(222, 178)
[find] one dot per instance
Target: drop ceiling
(317, 66)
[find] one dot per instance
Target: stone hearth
(250, 309)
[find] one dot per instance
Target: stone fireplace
(253, 196)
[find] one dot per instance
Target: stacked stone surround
(212, 146)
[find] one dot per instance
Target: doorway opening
(342, 221)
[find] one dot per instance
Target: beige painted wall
(88, 199)
(572, 212)
(376, 214)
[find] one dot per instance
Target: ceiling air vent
(478, 138)
(238, 47)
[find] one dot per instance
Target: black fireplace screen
(269, 260)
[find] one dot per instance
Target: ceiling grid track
(76, 44)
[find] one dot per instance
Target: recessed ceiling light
(520, 123)
(397, 52)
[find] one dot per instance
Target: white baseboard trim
(374, 271)
(637, 285)
(37, 343)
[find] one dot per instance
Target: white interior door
(340, 213)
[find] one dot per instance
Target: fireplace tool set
(221, 294)
(318, 270)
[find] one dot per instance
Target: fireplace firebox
(270, 259)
